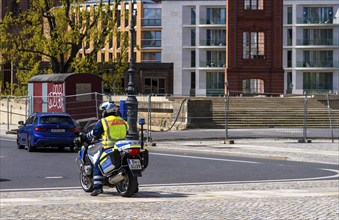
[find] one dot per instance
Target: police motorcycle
(120, 165)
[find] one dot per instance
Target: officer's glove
(77, 143)
(83, 137)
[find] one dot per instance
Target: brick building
(254, 46)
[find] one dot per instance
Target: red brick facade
(268, 67)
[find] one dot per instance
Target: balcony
(317, 20)
(214, 64)
(318, 42)
(150, 22)
(215, 92)
(213, 21)
(213, 42)
(150, 43)
(316, 63)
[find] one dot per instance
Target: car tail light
(134, 152)
(40, 129)
(76, 130)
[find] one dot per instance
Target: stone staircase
(272, 112)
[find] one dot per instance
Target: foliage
(54, 35)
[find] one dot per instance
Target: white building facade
(311, 46)
(194, 39)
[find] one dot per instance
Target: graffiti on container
(55, 97)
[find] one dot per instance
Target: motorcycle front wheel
(128, 186)
(86, 183)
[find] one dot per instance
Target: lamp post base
(228, 141)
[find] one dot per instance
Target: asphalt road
(48, 168)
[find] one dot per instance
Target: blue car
(47, 129)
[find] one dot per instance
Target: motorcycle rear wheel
(86, 182)
(128, 186)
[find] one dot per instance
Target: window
(193, 58)
(289, 58)
(56, 120)
(289, 15)
(216, 37)
(216, 16)
(315, 15)
(254, 45)
(253, 4)
(152, 17)
(193, 37)
(318, 81)
(102, 57)
(83, 88)
(110, 42)
(215, 82)
(192, 80)
(289, 37)
(318, 58)
(216, 58)
(155, 85)
(193, 16)
(126, 15)
(30, 120)
(118, 17)
(151, 39)
(318, 37)
(151, 57)
(289, 82)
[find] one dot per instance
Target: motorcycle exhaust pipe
(117, 178)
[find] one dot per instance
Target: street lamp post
(227, 140)
(131, 101)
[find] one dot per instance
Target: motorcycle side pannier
(144, 159)
(109, 160)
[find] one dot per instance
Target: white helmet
(109, 108)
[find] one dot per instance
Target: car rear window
(56, 120)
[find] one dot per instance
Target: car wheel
(18, 143)
(29, 146)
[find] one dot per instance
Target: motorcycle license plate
(134, 164)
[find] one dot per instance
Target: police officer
(111, 128)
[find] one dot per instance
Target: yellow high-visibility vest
(115, 128)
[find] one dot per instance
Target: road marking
(5, 139)
(40, 189)
(206, 158)
(54, 177)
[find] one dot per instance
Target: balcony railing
(211, 64)
(213, 42)
(215, 92)
(319, 42)
(150, 43)
(316, 20)
(150, 22)
(316, 63)
(150, 61)
(212, 21)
